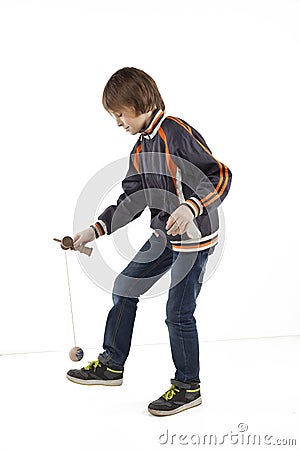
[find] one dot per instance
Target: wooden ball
(76, 354)
(66, 243)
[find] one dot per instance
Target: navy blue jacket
(171, 164)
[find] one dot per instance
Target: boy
(173, 172)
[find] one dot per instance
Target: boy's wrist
(95, 231)
(99, 229)
(195, 206)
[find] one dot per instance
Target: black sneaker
(179, 397)
(96, 373)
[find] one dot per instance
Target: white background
(231, 69)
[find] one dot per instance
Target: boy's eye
(117, 115)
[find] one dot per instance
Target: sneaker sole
(96, 382)
(157, 412)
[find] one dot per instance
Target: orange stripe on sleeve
(99, 228)
(194, 205)
(215, 194)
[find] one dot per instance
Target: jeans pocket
(203, 262)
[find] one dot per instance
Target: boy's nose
(120, 123)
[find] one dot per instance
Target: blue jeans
(152, 261)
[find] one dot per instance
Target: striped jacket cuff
(99, 229)
(195, 205)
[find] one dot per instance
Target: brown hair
(133, 88)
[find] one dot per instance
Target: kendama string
(70, 297)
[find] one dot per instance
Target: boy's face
(129, 120)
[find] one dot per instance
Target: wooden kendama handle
(86, 250)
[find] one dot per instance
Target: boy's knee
(178, 316)
(173, 316)
(125, 286)
(121, 286)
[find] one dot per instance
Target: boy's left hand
(179, 220)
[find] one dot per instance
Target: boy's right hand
(83, 237)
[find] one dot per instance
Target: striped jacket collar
(154, 125)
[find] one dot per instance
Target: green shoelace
(171, 392)
(92, 364)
